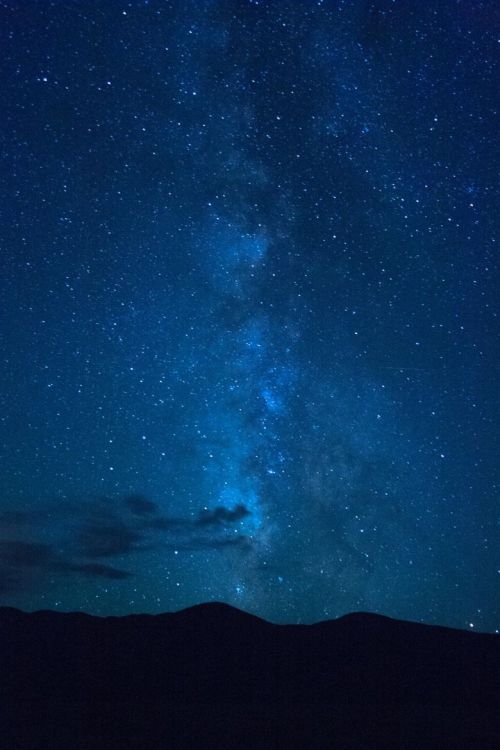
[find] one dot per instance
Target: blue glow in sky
(249, 339)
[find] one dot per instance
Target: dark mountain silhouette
(212, 676)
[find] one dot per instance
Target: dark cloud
(166, 523)
(93, 530)
(214, 519)
(221, 515)
(25, 554)
(107, 539)
(139, 505)
(208, 531)
(17, 558)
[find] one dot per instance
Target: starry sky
(248, 328)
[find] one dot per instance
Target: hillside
(212, 676)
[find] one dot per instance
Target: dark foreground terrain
(214, 677)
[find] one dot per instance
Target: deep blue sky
(249, 333)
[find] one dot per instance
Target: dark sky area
(248, 307)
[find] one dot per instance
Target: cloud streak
(108, 539)
(221, 515)
(96, 531)
(20, 559)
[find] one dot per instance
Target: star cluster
(249, 341)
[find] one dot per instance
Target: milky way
(249, 328)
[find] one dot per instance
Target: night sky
(248, 328)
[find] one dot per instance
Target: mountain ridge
(215, 676)
(357, 616)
